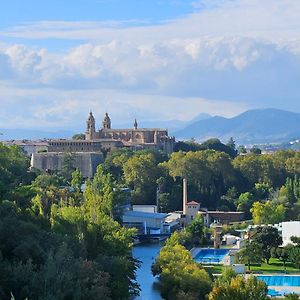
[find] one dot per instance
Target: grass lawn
(275, 266)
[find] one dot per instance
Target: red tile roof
(193, 203)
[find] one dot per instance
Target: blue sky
(149, 59)
(15, 11)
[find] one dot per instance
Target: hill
(250, 127)
(30, 134)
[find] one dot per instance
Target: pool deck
(286, 289)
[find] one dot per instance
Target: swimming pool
(283, 284)
(280, 280)
(206, 255)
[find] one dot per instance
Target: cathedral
(106, 138)
(89, 152)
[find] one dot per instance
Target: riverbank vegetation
(57, 242)
(49, 226)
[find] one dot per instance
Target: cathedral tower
(90, 127)
(106, 124)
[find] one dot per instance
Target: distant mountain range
(253, 126)
(171, 125)
(31, 134)
(258, 126)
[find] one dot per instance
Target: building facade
(98, 142)
(107, 139)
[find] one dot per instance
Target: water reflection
(146, 253)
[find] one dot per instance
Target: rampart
(86, 162)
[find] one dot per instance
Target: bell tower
(90, 127)
(106, 124)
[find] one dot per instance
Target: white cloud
(274, 20)
(228, 56)
(52, 108)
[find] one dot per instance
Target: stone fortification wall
(86, 162)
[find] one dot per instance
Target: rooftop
(193, 203)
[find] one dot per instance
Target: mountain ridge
(252, 126)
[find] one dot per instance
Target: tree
(250, 254)
(296, 240)
(242, 149)
(217, 145)
(244, 203)
(14, 165)
(77, 180)
(210, 173)
(268, 237)
(291, 297)
(179, 274)
(140, 173)
(281, 253)
(267, 213)
(294, 256)
(231, 143)
(67, 167)
(196, 228)
(239, 289)
(103, 195)
(78, 136)
(255, 150)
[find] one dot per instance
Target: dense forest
(218, 177)
(59, 242)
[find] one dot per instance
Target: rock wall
(86, 162)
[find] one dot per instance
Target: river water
(146, 253)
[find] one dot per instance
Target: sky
(145, 59)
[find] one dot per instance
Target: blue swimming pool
(280, 280)
(207, 256)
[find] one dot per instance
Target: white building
(146, 222)
(285, 229)
(289, 229)
(145, 208)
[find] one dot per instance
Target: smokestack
(184, 196)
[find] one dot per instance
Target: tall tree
(268, 237)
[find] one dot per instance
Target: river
(146, 253)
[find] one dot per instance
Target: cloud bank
(226, 57)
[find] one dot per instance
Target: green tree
(239, 289)
(294, 256)
(281, 253)
(250, 254)
(180, 275)
(217, 145)
(244, 203)
(255, 150)
(77, 180)
(78, 136)
(67, 167)
(291, 297)
(231, 143)
(140, 173)
(242, 149)
(14, 166)
(268, 237)
(267, 213)
(196, 228)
